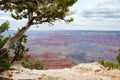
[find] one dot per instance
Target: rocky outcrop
(83, 71)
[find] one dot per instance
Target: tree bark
(15, 38)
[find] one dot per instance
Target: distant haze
(79, 45)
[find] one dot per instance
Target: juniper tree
(36, 12)
(18, 48)
(4, 58)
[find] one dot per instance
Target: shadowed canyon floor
(83, 71)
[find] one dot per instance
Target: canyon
(61, 49)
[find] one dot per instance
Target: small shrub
(33, 64)
(118, 57)
(4, 62)
(38, 64)
(27, 63)
(101, 61)
(110, 64)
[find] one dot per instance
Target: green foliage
(43, 10)
(37, 12)
(19, 48)
(4, 58)
(118, 56)
(27, 63)
(4, 26)
(3, 40)
(33, 64)
(110, 64)
(70, 20)
(101, 61)
(4, 62)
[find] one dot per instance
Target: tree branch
(15, 1)
(15, 38)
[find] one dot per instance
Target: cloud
(103, 10)
(91, 15)
(103, 15)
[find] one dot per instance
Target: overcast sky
(90, 15)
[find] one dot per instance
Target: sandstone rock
(112, 74)
(6, 75)
(45, 77)
(84, 71)
(95, 67)
(16, 67)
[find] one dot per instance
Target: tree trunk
(15, 38)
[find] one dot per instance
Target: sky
(90, 15)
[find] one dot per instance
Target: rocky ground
(83, 71)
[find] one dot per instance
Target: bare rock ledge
(83, 71)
